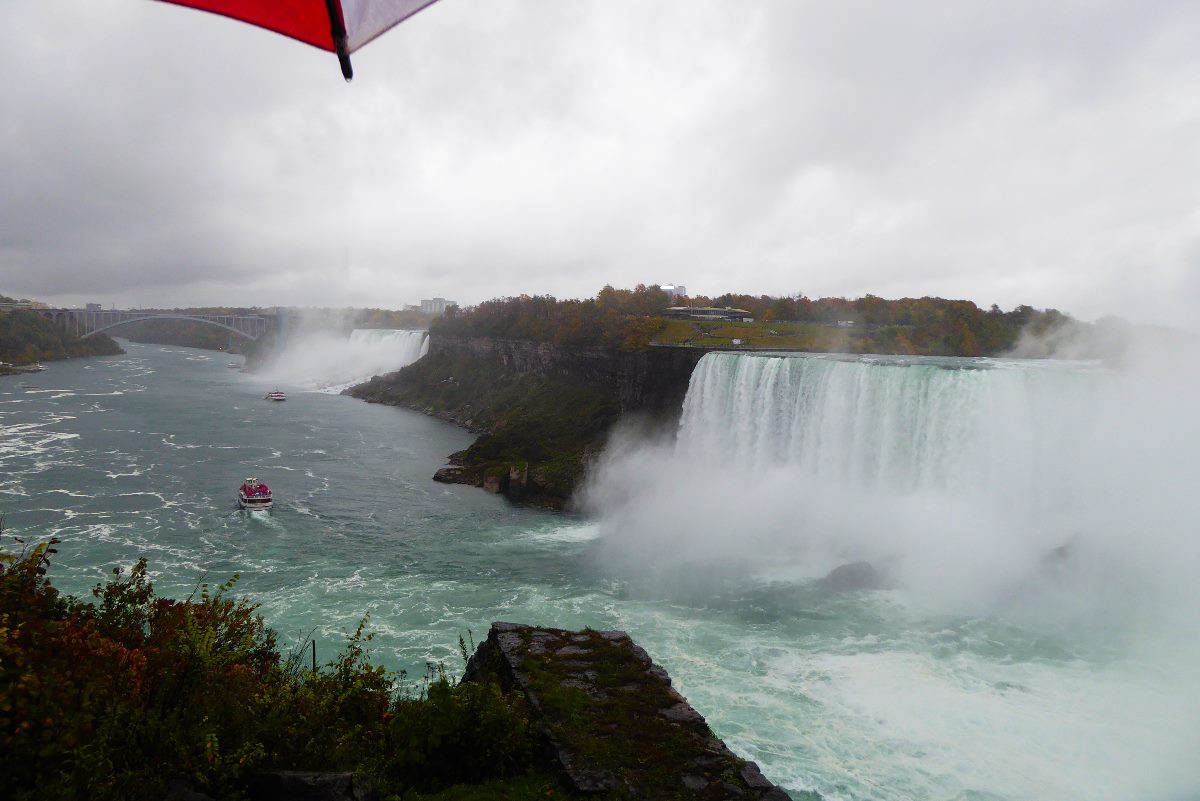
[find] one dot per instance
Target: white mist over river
(991, 667)
(331, 362)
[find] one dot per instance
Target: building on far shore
(707, 313)
(436, 305)
(674, 290)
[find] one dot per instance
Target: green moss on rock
(610, 718)
(536, 429)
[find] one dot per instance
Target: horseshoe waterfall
(936, 578)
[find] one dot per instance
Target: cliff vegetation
(123, 695)
(537, 427)
(630, 320)
(620, 318)
(27, 337)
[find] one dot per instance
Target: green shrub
(454, 734)
(113, 699)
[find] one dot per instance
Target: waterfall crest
(993, 432)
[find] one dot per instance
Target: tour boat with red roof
(253, 494)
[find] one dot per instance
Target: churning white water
(332, 362)
(1028, 626)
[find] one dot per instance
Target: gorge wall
(653, 380)
(542, 410)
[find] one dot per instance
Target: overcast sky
(1006, 152)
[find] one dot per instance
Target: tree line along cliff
(630, 319)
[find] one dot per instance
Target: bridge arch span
(170, 317)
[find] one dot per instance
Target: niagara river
(1023, 626)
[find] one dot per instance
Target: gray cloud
(1002, 152)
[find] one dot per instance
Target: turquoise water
(142, 455)
(859, 695)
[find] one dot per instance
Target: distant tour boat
(276, 396)
(253, 494)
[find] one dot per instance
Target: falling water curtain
(339, 26)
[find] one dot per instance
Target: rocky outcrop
(451, 475)
(855, 576)
(587, 363)
(542, 411)
(610, 720)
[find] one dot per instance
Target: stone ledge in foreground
(610, 719)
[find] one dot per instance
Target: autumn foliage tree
(623, 318)
(630, 319)
(114, 698)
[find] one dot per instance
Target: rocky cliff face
(543, 410)
(653, 380)
(609, 719)
(524, 356)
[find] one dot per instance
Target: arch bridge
(86, 322)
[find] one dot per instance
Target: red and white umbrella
(339, 26)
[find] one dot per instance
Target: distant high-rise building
(94, 307)
(436, 305)
(674, 290)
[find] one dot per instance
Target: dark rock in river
(855, 576)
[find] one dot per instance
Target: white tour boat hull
(254, 501)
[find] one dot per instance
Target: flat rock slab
(610, 720)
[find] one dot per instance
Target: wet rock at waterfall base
(855, 576)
